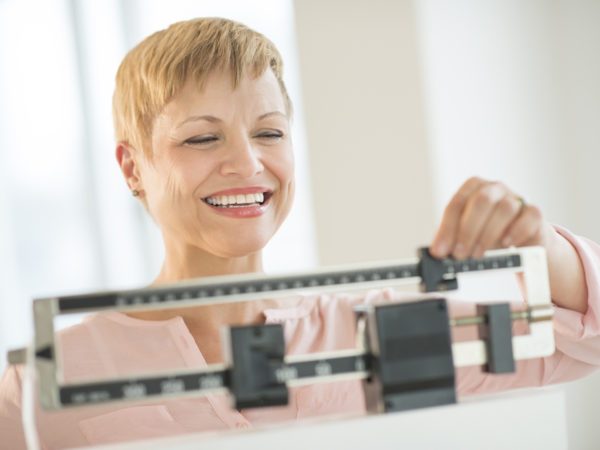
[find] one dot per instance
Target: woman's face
(222, 174)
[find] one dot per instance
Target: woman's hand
(484, 215)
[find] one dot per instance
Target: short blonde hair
(154, 71)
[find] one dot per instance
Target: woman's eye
(270, 135)
(201, 140)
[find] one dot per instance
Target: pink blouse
(113, 344)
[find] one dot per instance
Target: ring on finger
(521, 201)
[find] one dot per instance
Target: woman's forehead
(218, 96)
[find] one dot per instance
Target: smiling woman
(215, 143)
(207, 118)
(202, 121)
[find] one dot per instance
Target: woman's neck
(188, 263)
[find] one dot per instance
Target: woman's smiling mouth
(236, 201)
(240, 202)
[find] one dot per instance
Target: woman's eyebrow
(208, 118)
(272, 113)
(214, 119)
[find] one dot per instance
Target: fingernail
(459, 250)
(440, 249)
(506, 242)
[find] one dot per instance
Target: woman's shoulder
(10, 407)
(10, 388)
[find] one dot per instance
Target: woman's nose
(242, 158)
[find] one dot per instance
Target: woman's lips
(239, 203)
(242, 190)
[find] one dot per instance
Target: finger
(445, 238)
(475, 217)
(507, 210)
(526, 229)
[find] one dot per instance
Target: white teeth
(233, 200)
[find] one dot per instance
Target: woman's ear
(129, 166)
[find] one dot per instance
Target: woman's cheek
(196, 171)
(284, 167)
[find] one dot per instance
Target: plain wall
(365, 123)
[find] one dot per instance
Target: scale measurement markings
(321, 368)
(208, 290)
(149, 296)
(204, 382)
(478, 265)
(142, 387)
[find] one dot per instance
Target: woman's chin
(241, 248)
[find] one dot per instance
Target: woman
(202, 123)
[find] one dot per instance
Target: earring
(135, 192)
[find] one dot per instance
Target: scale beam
(370, 360)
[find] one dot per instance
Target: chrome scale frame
(46, 360)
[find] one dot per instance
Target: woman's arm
(565, 270)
